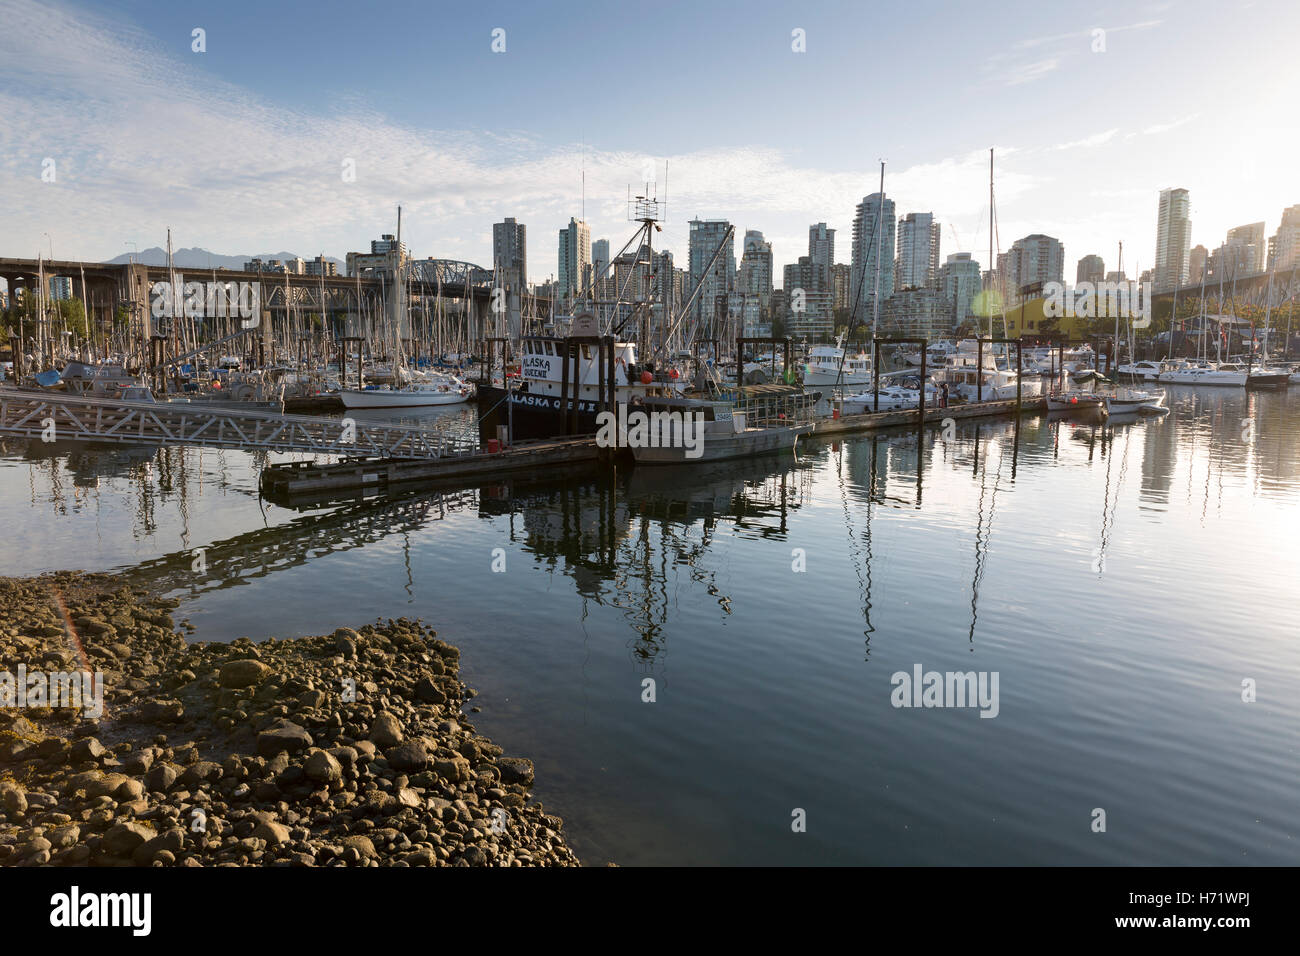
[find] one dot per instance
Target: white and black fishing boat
(538, 408)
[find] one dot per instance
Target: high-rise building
(661, 276)
(1284, 245)
(821, 253)
(1090, 269)
(599, 256)
(917, 266)
(60, 287)
(1173, 240)
(873, 252)
(575, 260)
(320, 266)
(705, 237)
(809, 315)
(510, 251)
(755, 276)
(1246, 252)
(1197, 261)
(1034, 260)
(959, 282)
(841, 286)
(918, 313)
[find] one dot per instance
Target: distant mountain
(196, 258)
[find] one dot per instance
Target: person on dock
(943, 394)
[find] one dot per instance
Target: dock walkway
(64, 416)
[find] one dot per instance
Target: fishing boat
(537, 408)
(722, 430)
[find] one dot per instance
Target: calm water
(1122, 582)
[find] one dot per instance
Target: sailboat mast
(1268, 312)
(1115, 339)
(989, 298)
(880, 224)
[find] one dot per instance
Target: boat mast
(1115, 337)
(880, 224)
(1268, 312)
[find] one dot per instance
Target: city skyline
(279, 178)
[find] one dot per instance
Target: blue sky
(240, 148)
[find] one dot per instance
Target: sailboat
(1266, 376)
(973, 372)
(405, 389)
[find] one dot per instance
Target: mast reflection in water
(1123, 580)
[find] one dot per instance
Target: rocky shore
(342, 750)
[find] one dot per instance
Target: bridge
(1250, 290)
(460, 288)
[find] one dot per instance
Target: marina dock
(293, 479)
(873, 421)
(556, 457)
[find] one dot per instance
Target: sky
(244, 146)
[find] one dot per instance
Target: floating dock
(871, 421)
(297, 480)
(305, 478)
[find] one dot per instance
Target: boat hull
(382, 398)
(532, 416)
(753, 441)
(829, 378)
(1268, 380)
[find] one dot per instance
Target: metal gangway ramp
(28, 413)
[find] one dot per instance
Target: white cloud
(1028, 72)
(1096, 139)
(144, 140)
(1166, 127)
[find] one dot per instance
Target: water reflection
(1102, 568)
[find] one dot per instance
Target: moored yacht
(1144, 371)
(429, 390)
(829, 365)
(980, 379)
(1204, 373)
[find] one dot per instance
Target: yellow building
(1029, 318)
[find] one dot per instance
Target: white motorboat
(976, 379)
(445, 390)
(1073, 360)
(829, 365)
(1144, 371)
(1205, 373)
(935, 355)
(892, 398)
